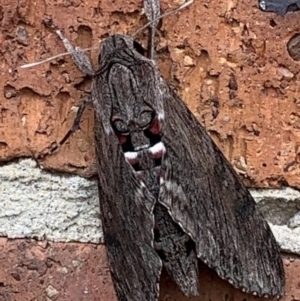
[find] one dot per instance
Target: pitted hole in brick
(9, 92)
(85, 36)
(272, 23)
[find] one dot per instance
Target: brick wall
(227, 59)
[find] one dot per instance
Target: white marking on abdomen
(139, 148)
(158, 148)
(161, 116)
(131, 155)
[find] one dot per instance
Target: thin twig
(53, 58)
(184, 5)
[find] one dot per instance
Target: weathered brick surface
(31, 270)
(227, 59)
(229, 62)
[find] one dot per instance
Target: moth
(168, 196)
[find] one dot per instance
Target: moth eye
(154, 127)
(120, 126)
(146, 118)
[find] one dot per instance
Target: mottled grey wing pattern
(126, 204)
(207, 199)
(126, 214)
(201, 191)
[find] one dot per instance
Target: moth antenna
(54, 57)
(184, 5)
(152, 11)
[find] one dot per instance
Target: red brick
(32, 270)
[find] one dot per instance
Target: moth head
(139, 138)
(114, 45)
(136, 128)
(129, 85)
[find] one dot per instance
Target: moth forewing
(197, 192)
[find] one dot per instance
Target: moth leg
(76, 125)
(152, 11)
(151, 50)
(80, 59)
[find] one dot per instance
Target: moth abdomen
(177, 251)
